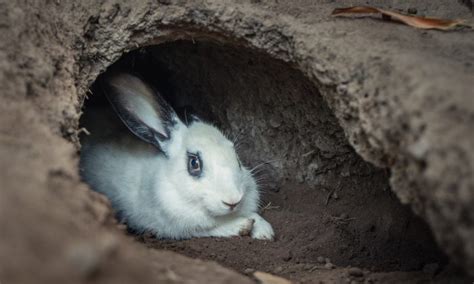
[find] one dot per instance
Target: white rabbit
(179, 181)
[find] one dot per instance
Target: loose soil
(316, 232)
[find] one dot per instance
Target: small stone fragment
(278, 269)
(308, 266)
(275, 123)
(249, 271)
(266, 278)
(287, 255)
(321, 259)
(355, 272)
(329, 265)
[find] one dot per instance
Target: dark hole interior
(322, 199)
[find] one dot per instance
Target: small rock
(329, 265)
(355, 272)
(275, 123)
(327, 260)
(278, 269)
(266, 278)
(335, 196)
(249, 271)
(321, 259)
(300, 177)
(344, 216)
(287, 255)
(412, 11)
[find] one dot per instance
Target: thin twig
(269, 207)
(330, 195)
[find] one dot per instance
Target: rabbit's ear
(188, 115)
(140, 107)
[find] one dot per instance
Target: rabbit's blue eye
(194, 165)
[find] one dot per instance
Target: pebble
(287, 256)
(329, 265)
(356, 272)
(412, 11)
(275, 123)
(266, 278)
(278, 269)
(249, 270)
(321, 259)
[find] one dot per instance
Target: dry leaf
(414, 21)
(266, 278)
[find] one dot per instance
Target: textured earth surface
(400, 98)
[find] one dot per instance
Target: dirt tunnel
(325, 202)
(353, 129)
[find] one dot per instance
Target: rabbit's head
(197, 162)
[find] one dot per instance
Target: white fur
(154, 192)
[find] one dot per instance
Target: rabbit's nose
(231, 205)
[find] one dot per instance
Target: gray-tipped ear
(188, 115)
(141, 108)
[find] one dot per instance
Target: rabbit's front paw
(262, 229)
(246, 228)
(241, 226)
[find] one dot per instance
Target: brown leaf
(414, 21)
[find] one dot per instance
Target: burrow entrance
(326, 204)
